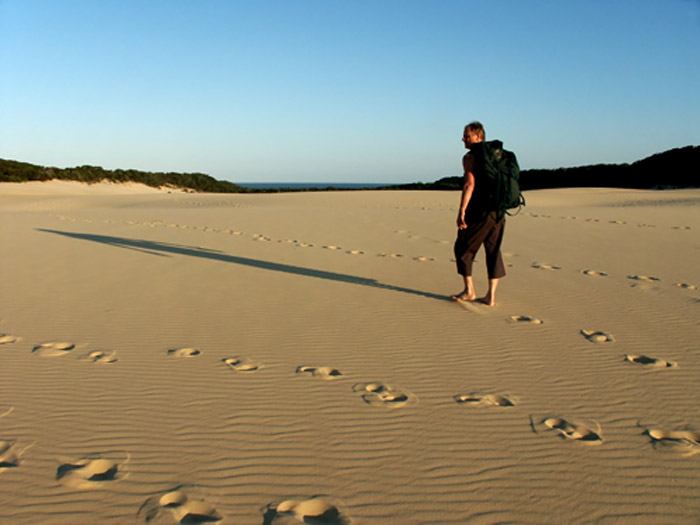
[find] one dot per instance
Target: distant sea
(313, 185)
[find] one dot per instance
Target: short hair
(476, 127)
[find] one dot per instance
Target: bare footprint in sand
(524, 319)
(380, 394)
(574, 431)
(488, 400)
(184, 352)
(684, 442)
(10, 454)
(53, 349)
(319, 510)
(687, 286)
(355, 252)
(594, 273)
(102, 357)
(321, 372)
(424, 259)
(89, 473)
(541, 266)
(597, 337)
(332, 247)
(391, 255)
(183, 507)
(644, 278)
(242, 364)
(651, 362)
(6, 339)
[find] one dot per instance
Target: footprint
(53, 349)
(11, 454)
(524, 319)
(488, 400)
(618, 222)
(645, 278)
(9, 457)
(391, 255)
(90, 472)
(379, 394)
(651, 362)
(594, 273)
(685, 286)
(540, 266)
(183, 352)
(322, 372)
(424, 259)
(320, 510)
(597, 337)
(183, 508)
(101, 356)
(332, 247)
(304, 245)
(575, 431)
(8, 339)
(242, 364)
(682, 442)
(355, 252)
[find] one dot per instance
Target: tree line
(14, 171)
(675, 168)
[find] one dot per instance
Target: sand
(267, 359)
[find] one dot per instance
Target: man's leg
(464, 250)
(494, 261)
(490, 298)
(468, 294)
(492, 246)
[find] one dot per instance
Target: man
(477, 225)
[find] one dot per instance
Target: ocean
(313, 185)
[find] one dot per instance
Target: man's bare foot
(463, 296)
(488, 301)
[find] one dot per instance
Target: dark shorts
(487, 231)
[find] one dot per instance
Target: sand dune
(295, 358)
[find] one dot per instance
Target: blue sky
(353, 91)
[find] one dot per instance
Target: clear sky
(344, 91)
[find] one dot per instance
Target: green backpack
(501, 174)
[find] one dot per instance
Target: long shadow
(164, 249)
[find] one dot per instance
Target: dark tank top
(478, 206)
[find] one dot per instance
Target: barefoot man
(477, 225)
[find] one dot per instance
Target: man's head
(473, 133)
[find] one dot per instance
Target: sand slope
(260, 359)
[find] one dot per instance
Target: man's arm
(467, 190)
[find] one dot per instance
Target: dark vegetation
(676, 168)
(13, 171)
